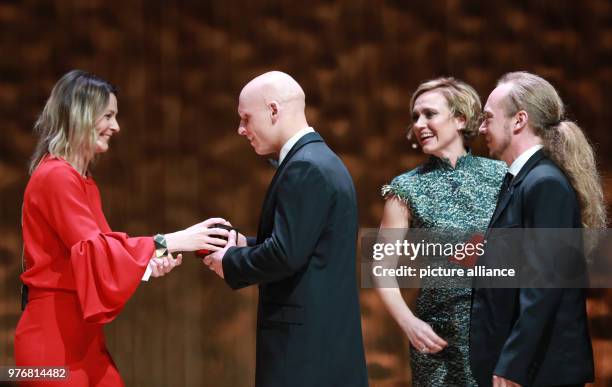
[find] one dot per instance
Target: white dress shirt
(291, 142)
(520, 161)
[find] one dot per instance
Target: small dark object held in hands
(201, 254)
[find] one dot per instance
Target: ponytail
(568, 147)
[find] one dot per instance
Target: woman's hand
(164, 265)
(422, 336)
(199, 237)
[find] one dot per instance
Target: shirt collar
(291, 142)
(520, 161)
(461, 161)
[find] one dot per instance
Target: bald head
(271, 108)
(275, 86)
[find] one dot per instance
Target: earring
(409, 136)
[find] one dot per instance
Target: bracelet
(161, 246)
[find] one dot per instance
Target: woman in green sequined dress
(453, 190)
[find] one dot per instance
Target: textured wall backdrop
(180, 66)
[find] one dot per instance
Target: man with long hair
(536, 336)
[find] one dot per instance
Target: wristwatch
(161, 246)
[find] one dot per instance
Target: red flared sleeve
(107, 266)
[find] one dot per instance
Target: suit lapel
(502, 203)
(504, 197)
(267, 208)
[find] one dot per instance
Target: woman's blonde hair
(66, 126)
(564, 142)
(462, 99)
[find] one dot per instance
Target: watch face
(161, 246)
(160, 240)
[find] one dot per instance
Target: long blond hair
(564, 142)
(66, 126)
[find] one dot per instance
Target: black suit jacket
(304, 260)
(532, 336)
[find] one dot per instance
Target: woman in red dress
(78, 271)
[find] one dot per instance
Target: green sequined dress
(441, 197)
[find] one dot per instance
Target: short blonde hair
(66, 125)
(462, 99)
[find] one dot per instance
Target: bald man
(303, 259)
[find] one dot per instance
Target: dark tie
(273, 163)
(505, 187)
(506, 184)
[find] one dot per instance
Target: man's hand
(498, 381)
(162, 266)
(241, 240)
(214, 261)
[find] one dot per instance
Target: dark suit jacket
(304, 260)
(533, 336)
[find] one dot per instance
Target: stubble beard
(503, 145)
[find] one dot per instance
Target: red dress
(79, 273)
